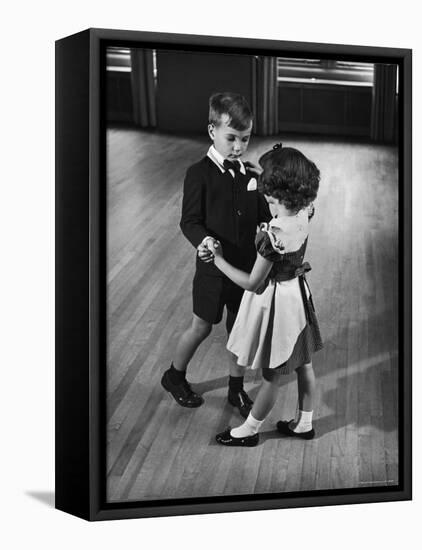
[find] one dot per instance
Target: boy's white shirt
(218, 160)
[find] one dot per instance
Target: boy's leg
(236, 394)
(174, 379)
(301, 425)
(190, 341)
(207, 310)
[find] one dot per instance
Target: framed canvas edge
(405, 276)
(223, 42)
(72, 300)
(97, 508)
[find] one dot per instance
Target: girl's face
(230, 143)
(277, 208)
(272, 203)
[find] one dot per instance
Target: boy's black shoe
(240, 400)
(284, 428)
(182, 392)
(224, 438)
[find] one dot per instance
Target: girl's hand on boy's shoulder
(252, 168)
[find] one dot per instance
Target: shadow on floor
(45, 497)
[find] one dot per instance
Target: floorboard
(156, 449)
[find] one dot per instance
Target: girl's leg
(306, 387)
(263, 404)
(235, 370)
(190, 341)
(306, 394)
(267, 396)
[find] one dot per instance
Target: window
(325, 71)
(118, 59)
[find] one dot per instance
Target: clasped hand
(208, 250)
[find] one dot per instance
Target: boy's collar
(218, 160)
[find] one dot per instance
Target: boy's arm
(192, 221)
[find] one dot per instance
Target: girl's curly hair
(289, 177)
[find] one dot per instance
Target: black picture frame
(80, 281)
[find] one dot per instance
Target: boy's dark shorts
(210, 295)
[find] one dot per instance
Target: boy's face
(230, 143)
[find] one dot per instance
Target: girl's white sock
(249, 427)
(302, 422)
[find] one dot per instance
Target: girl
(276, 328)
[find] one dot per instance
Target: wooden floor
(157, 449)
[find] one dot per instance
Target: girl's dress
(276, 326)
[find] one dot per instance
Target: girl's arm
(249, 281)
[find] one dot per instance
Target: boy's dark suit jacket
(217, 205)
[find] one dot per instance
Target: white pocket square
(252, 184)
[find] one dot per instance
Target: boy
(220, 202)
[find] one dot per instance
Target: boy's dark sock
(236, 383)
(176, 376)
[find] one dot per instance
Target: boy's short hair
(234, 106)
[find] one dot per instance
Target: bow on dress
(300, 272)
